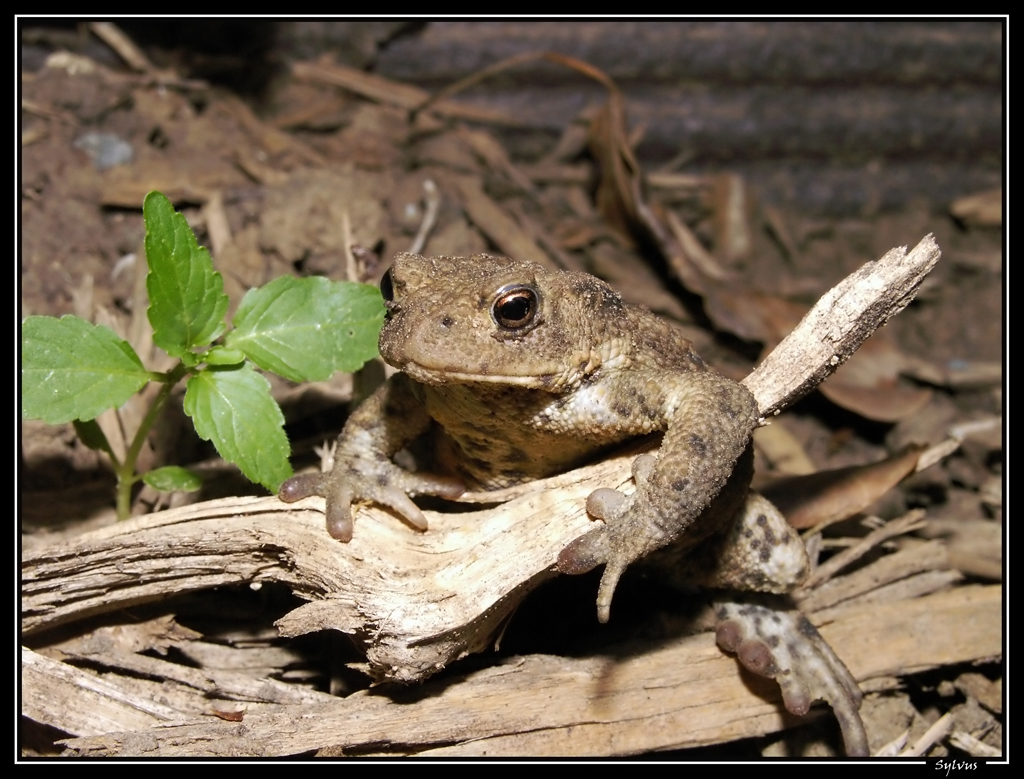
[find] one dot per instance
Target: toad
(518, 373)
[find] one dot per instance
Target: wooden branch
(839, 323)
(80, 702)
(416, 600)
(638, 698)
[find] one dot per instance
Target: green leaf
(90, 434)
(171, 478)
(71, 369)
(218, 355)
(233, 409)
(187, 303)
(306, 329)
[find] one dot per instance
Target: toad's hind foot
(785, 646)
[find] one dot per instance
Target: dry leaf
(752, 315)
(830, 496)
(867, 383)
(782, 450)
(228, 716)
(984, 209)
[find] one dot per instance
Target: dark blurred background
(837, 118)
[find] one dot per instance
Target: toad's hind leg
(783, 645)
(759, 553)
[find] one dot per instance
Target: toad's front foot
(630, 530)
(382, 482)
(785, 646)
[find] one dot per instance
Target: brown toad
(519, 373)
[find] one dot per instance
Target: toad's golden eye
(515, 307)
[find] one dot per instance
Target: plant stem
(126, 476)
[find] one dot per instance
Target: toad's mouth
(449, 375)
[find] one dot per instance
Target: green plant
(304, 329)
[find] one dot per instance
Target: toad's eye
(387, 287)
(515, 307)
